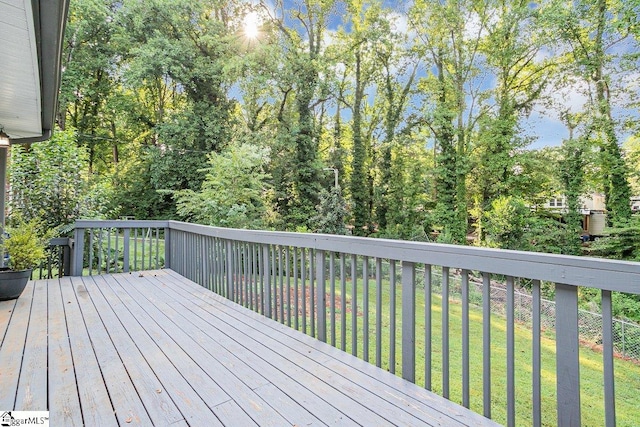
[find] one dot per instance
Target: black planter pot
(12, 282)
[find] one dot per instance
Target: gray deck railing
(115, 246)
(361, 295)
(57, 262)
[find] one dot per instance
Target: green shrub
(26, 244)
(622, 242)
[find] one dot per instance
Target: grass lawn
(591, 371)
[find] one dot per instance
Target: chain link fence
(626, 335)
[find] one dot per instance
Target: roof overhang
(31, 33)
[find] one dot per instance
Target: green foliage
(49, 181)
(420, 128)
(631, 148)
(174, 74)
(510, 224)
(448, 205)
(407, 216)
(26, 243)
(617, 189)
(627, 306)
(233, 191)
(138, 185)
(572, 173)
(331, 213)
(548, 234)
(505, 223)
(622, 242)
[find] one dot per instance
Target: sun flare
(251, 25)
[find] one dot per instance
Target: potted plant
(25, 246)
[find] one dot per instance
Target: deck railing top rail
(614, 275)
(607, 274)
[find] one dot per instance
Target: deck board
(153, 348)
(64, 399)
(12, 346)
(6, 309)
(346, 396)
(32, 388)
(128, 406)
(161, 408)
(94, 398)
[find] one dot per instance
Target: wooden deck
(157, 349)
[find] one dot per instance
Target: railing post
(66, 258)
(321, 297)
(229, 268)
(125, 250)
(607, 353)
(409, 321)
(167, 246)
(567, 356)
(78, 252)
(266, 275)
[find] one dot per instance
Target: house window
(556, 202)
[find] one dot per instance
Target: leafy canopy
(233, 191)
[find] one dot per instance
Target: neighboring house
(593, 210)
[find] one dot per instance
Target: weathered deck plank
(157, 349)
(161, 408)
(128, 406)
(6, 309)
(32, 388)
(12, 345)
(64, 401)
(312, 362)
(94, 398)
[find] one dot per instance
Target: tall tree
(450, 46)
(512, 46)
(367, 27)
(302, 25)
(395, 88)
(88, 78)
(596, 32)
(187, 43)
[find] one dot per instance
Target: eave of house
(31, 34)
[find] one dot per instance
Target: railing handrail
(606, 274)
(120, 223)
(60, 241)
